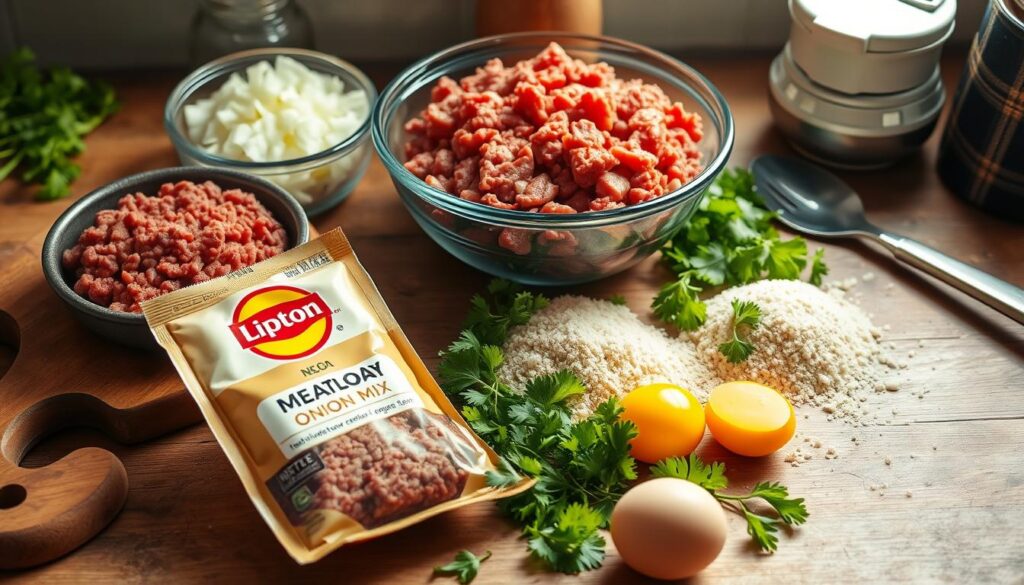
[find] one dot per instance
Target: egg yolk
(750, 419)
(669, 421)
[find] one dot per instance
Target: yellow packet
(330, 418)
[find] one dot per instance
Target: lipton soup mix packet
(332, 421)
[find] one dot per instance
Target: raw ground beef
(389, 469)
(552, 134)
(185, 234)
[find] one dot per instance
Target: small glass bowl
(330, 175)
(602, 242)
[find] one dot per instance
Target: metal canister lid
(876, 26)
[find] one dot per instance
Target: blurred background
(125, 34)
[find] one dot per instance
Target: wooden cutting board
(58, 376)
(63, 376)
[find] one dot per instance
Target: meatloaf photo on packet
(392, 468)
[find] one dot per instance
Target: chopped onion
(281, 112)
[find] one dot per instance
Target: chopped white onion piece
(281, 112)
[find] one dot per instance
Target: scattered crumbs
(909, 494)
(886, 327)
(913, 456)
(793, 458)
(894, 412)
(891, 387)
(888, 460)
(843, 285)
(935, 447)
(911, 353)
(920, 343)
(868, 276)
(830, 453)
(816, 349)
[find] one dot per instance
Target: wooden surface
(956, 451)
(64, 377)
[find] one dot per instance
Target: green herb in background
(818, 267)
(763, 529)
(43, 117)
(617, 300)
(581, 467)
(729, 240)
(464, 568)
(746, 316)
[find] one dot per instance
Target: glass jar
(226, 26)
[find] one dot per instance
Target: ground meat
(507, 136)
(185, 234)
(389, 469)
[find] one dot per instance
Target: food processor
(858, 84)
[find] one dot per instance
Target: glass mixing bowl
(606, 242)
(319, 181)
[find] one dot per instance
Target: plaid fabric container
(982, 153)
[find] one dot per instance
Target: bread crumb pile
(606, 345)
(813, 346)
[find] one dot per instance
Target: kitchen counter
(953, 501)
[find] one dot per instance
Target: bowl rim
(507, 217)
(207, 71)
(53, 271)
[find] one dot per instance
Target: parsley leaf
(581, 468)
(729, 240)
(786, 259)
(617, 300)
(465, 566)
(792, 511)
(677, 304)
(818, 267)
(762, 529)
(554, 388)
(710, 477)
(572, 543)
(43, 117)
(746, 316)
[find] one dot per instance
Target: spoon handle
(996, 293)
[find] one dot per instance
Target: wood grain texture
(956, 450)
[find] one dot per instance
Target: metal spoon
(812, 200)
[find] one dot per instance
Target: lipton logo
(282, 322)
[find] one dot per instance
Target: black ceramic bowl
(130, 328)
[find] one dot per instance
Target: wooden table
(952, 510)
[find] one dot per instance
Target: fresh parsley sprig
(763, 529)
(43, 117)
(464, 568)
(581, 467)
(746, 316)
(729, 240)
